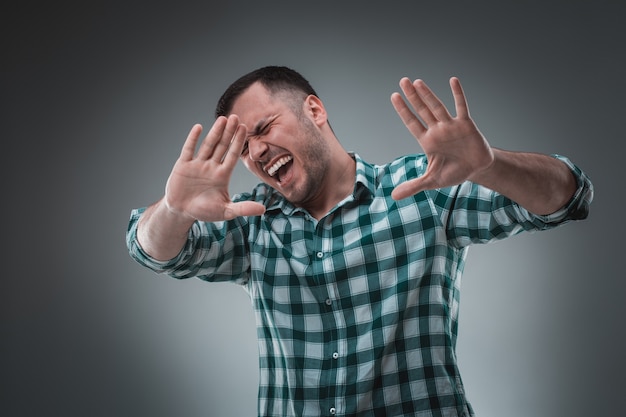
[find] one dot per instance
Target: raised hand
(455, 148)
(198, 184)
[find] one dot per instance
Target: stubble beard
(315, 159)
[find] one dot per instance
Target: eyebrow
(261, 125)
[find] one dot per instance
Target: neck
(338, 184)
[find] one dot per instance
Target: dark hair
(274, 78)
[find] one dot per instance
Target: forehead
(253, 100)
(258, 102)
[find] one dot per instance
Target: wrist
(175, 214)
(490, 169)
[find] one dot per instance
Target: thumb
(412, 187)
(243, 208)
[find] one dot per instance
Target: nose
(257, 149)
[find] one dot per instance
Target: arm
(457, 151)
(197, 189)
(539, 183)
(162, 233)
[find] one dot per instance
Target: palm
(455, 148)
(198, 184)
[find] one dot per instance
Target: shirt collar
(365, 183)
(365, 176)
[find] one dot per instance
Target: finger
(207, 147)
(222, 144)
(419, 105)
(243, 208)
(236, 145)
(189, 148)
(413, 124)
(436, 108)
(412, 187)
(460, 102)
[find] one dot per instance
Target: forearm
(539, 183)
(161, 233)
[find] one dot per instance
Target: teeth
(274, 168)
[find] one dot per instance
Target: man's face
(284, 149)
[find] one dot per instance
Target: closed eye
(244, 151)
(259, 131)
(261, 128)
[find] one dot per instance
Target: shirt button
(329, 301)
(332, 411)
(335, 355)
(319, 255)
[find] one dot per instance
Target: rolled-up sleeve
(212, 252)
(578, 207)
(475, 214)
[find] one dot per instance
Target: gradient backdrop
(98, 98)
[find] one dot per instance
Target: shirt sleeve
(213, 251)
(475, 214)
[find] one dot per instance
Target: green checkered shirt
(357, 313)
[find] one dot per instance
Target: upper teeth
(274, 168)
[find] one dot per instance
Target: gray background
(97, 99)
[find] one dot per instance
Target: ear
(314, 108)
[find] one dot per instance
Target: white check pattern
(357, 313)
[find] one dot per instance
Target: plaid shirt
(357, 313)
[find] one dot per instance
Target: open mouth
(279, 168)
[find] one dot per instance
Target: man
(353, 269)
